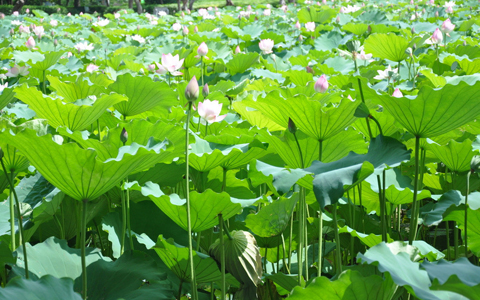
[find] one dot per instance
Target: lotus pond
(323, 150)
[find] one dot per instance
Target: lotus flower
(177, 27)
(17, 70)
(210, 111)
(238, 50)
(138, 38)
(387, 73)
(185, 30)
(321, 86)
(298, 25)
(172, 63)
(82, 46)
(39, 31)
(202, 49)
(266, 46)
(3, 86)
(447, 26)
(91, 68)
(310, 26)
(15, 13)
(30, 43)
(397, 93)
(161, 69)
(437, 37)
(54, 23)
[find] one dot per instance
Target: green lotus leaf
(51, 58)
(6, 96)
(434, 111)
(456, 156)
(205, 208)
(317, 15)
(331, 40)
(241, 62)
(80, 89)
(273, 218)
(143, 94)
(47, 287)
(387, 46)
(176, 259)
(73, 116)
(358, 29)
(255, 117)
(458, 215)
(369, 240)
(331, 178)
(242, 260)
(349, 285)
(78, 172)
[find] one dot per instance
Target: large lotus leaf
(139, 132)
(434, 111)
(242, 260)
(143, 94)
(358, 29)
(51, 58)
(330, 41)
(47, 287)
(471, 67)
(73, 116)
(6, 96)
(242, 156)
(176, 259)
(402, 270)
(460, 277)
(331, 178)
(317, 15)
(255, 117)
(73, 91)
(309, 116)
(350, 285)
(273, 218)
(13, 160)
(204, 208)
(369, 240)
(456, 156)
(241, 62)
(54, 257)
(78, 172)
(387, 46)
(126, 278)
(473, 220)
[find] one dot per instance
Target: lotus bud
(124, 136)
(321, 85)
(138, 28)
(475, 164)
(192, 90)
(185, 30)
(424, 11)
(55, 42)
(416, 7)
(291, 126)
(436, 14)
(12, 32)
(310, 70)
(30, 43)
(237, 50)
(2, 16)
(205, 91)
(337, 19)
(202, 49)
(182, 14)
(52, 33)
(300, 38)
(464, 43)
(195, 29)
(412, 30)
(437, 36)
(397, 93)
(414, 47)
(369, 29)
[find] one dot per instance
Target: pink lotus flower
(387, 73)
(437, 37)
(397, 93)
(447, 26)
(54, 23)
(30, 43)
(310, 26)
(27, 11)
(266, 46)
(15, 13)
(172, 63)
(151, 67)
(116, 15)
(202, 49)
(237, 50)
(16, 70)
(83, 46)
(22, 28)
(39, 31)
(177, 27)
(267, 12)
(210, 111)
(92, 68)
(321, 86)
(298, 25)
(138, 38)
(195, 29)
(161, 69)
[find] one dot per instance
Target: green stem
(284, 255)
(290, 243)
(320, 150)
(20, 223)
(435, 237)
(206, 128)
(300, 151)
(189, 222)
(99, 235)
(363, 100)
(203, 69)
(378, 124)
(320, 242)
(413, 217)
(44, 82)
(338, 255)
(455, 240)
(180, 289)
(447, 229)
(62, 233)
(83, 239)
(466, 215)
(124, 221)
(12, 219)
(301, 232)
(128, 217)
(222, 257)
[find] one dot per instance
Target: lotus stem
(284, 254)
(413, 217)
(363, 100)
(224, 182)
(203, 70)
(20, 224)
(83, 239)
(351, 211)
(378, 124)
(124, 221)
(466, 210)
(447, 229)
(12, 218)
(206, 129)
(301, 232)
(320, 219)
(180, 289)
(338, 255)
(189, 222)
(99, 235)
(44, 82)
(382, 209)
(455, 240)
(290, 243)
(128, 217)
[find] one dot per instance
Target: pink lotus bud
(266, 46)
(69, 15)
(321, 86)
(436, 14)
(15, 13)
(185, 30)
(27, 11)
(397, 93)
(310, 70)
(447, 26)
(151, 67)
(2, 16)
(195, 29)
(337, 19)
(30, 43)
(465, 42)
(182, 14)
(298, 25)
(124, 136)
(205, 91)
(69, 54)
(202, 49)
(437, 36)
(237, 50)
(300, 38)
(55, 42)
(411, 2)
(192, 90)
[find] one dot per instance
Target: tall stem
(44, 82)
(447, 229)
(338, 254)
(382, 209)
(83, 239)
(222, 257)
(466, 210)
(124, 222)
(189, 222)
(320, 220)
(20, 223)
(203, 69)
(128, 217)
(363, 100)
(413, 217)
(301, 232)
(12, 219)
